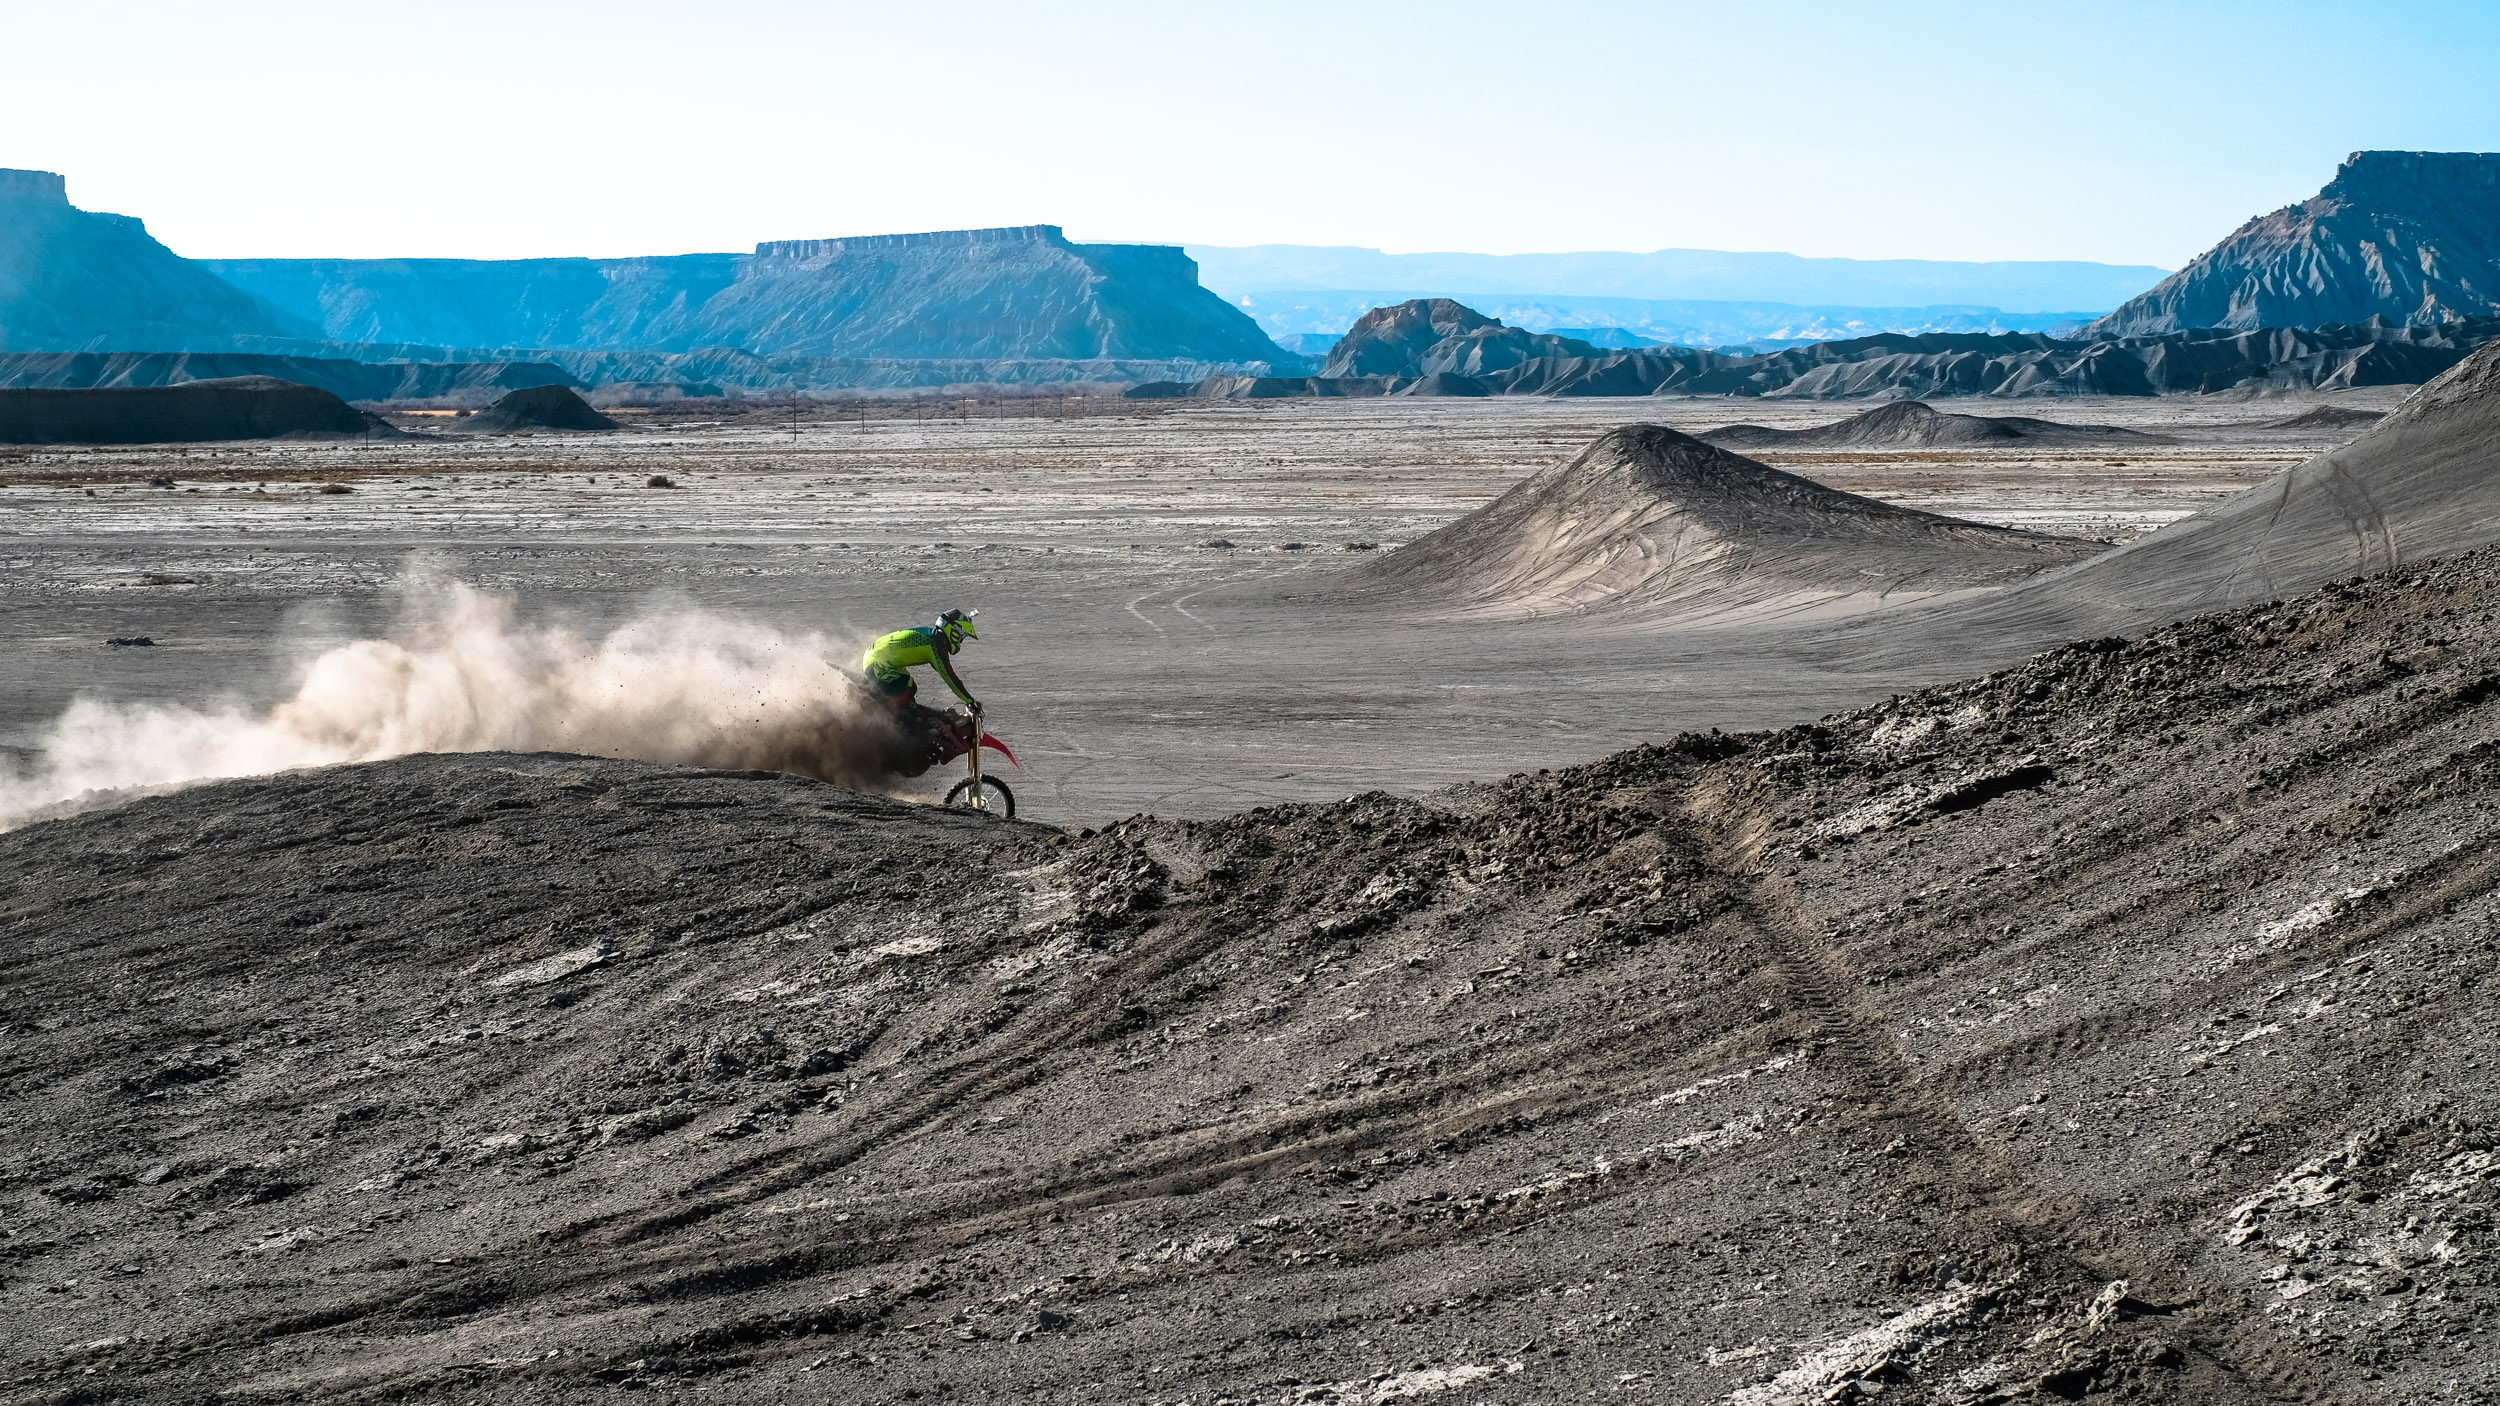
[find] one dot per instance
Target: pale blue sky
(2121, 132)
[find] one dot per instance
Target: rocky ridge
(2410, 236)
(1897, 366)
(1430, 337)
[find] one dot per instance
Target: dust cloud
(462, 672)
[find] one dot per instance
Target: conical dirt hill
(538, 408)
(2327, 417)
(1914, 424)
(1647, 517)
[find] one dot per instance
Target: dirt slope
(2113, 1026)
(1650, 518)
(1913, 424)
(2424, 482)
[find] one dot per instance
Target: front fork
(972, 760)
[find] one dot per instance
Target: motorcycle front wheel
(988, 795)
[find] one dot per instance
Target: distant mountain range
(1679, 275)
(1690, 297)
(1437, 347)
(2411, 236)
(1307, 320)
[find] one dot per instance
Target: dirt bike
(962, 733)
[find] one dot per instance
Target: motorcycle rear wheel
(988, 795)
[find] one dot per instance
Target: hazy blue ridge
(76, 280)
(1292, 316)
(984, 295)
(1682, 275)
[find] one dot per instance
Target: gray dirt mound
(538, 408)
(239, 407)
(1912, 424)
(1651, 518)
(2327, 417)
(2050, 1036)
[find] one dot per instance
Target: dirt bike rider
(888, 664)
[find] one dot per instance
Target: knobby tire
(1003, 805)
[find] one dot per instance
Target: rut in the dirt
(2117, 1024)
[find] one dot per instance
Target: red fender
(1001, 748)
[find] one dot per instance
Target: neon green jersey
(889, 662)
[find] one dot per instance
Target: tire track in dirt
(2000, 1202)
(1594, 1060)
(2472, 869)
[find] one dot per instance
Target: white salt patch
(1813, 1376)
(555, 968)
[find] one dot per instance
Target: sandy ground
(1135, 666)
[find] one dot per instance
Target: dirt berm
(537, 408)
(1913, 424)
(2115, 1026)
(239, 407)
(1646, 517)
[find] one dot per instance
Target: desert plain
(1135, 666)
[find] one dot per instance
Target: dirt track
(2115, 1025)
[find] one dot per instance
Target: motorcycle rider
(888, 663)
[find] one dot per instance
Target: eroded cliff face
(75, 280)
(2411, 236)
(1022, 292)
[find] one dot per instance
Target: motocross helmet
(956, 625)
